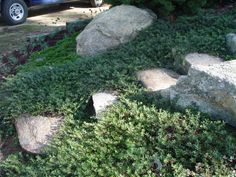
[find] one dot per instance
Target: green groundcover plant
(141, 135)
(168, 6)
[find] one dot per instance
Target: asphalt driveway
(44, 19)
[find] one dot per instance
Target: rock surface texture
(210, 89)
(195, 59)
(112, 28)
(102, 100)
(231, 42)
(157, 79)
(35, 133)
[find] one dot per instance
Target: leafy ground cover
(168, 6)
(10, 62)
(62, 52)
(139, 133)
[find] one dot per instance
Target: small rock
(35, 132)
(157, 165)
(102, 100)
(157, 79)
(231, 42)
(195, 59)
(40, 59)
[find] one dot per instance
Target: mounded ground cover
(139, 133)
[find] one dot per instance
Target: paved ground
(43, 20)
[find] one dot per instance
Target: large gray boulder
(109, 29)
(210, 89)
(36, 132)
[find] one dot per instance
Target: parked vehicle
(16, 11)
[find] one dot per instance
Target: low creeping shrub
(168, 6)
(134, 140)
(141, 135)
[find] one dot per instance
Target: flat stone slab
(210, 89)
(196, 59)
(157, 79)
(36, 132)
(102, 100)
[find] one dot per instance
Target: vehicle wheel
(96, 3)
(14, 11)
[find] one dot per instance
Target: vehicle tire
(96, 3)
(14, 12)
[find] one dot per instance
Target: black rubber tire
(96, 3)
(6, 15)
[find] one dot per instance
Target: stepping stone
(199, 59)
(36, 132)
(102, 100)
(157, 79)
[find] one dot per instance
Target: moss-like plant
(141, 135)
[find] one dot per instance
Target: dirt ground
(43, 19)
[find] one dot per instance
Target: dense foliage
(54, 55)
(132, 140)
(136, 135)
(167, 6)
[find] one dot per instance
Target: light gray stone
(210, 89)
(197, 59)
(231, 42)
(102, 100)
(157, 79)
(36, 132)
(109, 29)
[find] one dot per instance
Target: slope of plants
(139, 133)
(53, 55)
(168, 6)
